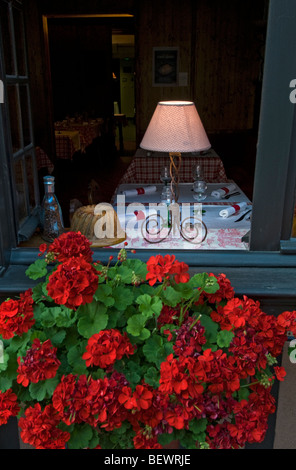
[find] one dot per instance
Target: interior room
(88, 64)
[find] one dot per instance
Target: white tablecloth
(221, 233)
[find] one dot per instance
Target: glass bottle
(167, 198)
(51, 213)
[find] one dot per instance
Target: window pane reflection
(20, 190)
(25, 114)
(30, 179)
(6, 40)
(19, 41)
(15, 118)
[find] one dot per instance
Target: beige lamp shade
(175, 127)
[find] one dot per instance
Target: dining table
(87, 130)
(67, 143)
(146, 167)
(196, 225)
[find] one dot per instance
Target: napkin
(232, 210)
(219, 193)
(139, 191)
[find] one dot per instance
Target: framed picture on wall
(165, 66)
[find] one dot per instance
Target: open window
(274, 181)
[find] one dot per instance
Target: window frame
(271, 221)
(11, 231)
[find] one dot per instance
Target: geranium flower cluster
(40, 363)
(163, 267)
(99, 361)
(16, 316)
(104, 348)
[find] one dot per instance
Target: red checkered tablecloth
(67, 143)
(88, 131)
(43, 161)
(147, 169)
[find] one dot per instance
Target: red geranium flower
(71, 244)
(39, 428)
(8, 406)
(104, 348)
(40, 363)
(73, 283)
(16, 316)
(161, 267)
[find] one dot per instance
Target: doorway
(123, 76)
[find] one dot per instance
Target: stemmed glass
(165, 175)
(200, 190)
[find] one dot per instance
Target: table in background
(223, 233)
(146, 169)
(88, 130)
(67, 143)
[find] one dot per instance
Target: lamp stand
(175, 165)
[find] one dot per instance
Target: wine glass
(200, 190)
(165, 175)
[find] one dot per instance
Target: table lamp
(175, 127)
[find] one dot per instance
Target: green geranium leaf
(198, 425)
(131, 370)
(136, 324)
(138, 267)
(37, 270)
(152, 377)
(43, 389)
(81, 436)
(19, 343)
(123, 297)
(171, 296)
(48, 315)
(224, 338)
(74, 357)
(211, 328)
(243, 393)
(92, 319)
(40, 293)
(89, 326)
(56, 336)
(156, 349)
(149, 305)
(211, 285)
(104, 295)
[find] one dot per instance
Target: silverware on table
(231, 194)
(243, 216)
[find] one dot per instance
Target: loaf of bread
(99, 223)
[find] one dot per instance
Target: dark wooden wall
(221, 47)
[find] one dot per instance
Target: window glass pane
(7, 39)
(15, 118)
(23, 90)
(30, 179)
(20, 191)
(19, 42)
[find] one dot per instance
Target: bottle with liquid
(167, 198)
(51, 213)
